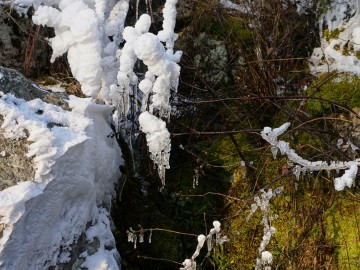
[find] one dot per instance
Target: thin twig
(166, 230)
(157, 259)
(210, 193)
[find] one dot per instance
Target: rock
(14, 36)
(184, 10)
(14, 165)
(215, 61)
(13, 82)
(10, 42)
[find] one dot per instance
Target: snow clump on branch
(158, 141)
(303, 165)
(262, 202)
(190, 264)
(76, 32)
(92, 32)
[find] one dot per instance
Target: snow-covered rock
(14, 164)
(340, 31)
(58, 215)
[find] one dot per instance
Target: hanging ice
(158, 141)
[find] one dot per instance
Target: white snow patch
(77, 32)
(50, 129)
(55, 88)
(347, 179)
(266, 257)
(339, 52)
(158, 141)
(85, 165)
(12, 205)
(230, 5)
(103, 259)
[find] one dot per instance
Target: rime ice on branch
(190, 264)
(158, 141)
(262, 202)
(76, 32)
(303, 165)
(92, 32)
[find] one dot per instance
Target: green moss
(329, 35)
(357, 54)
(343, 226)
(216, 21)
(237, 28)
(223, 152)
(343, 89)
(47, 81)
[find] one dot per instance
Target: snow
(339, 52)
(52, 131)
(230, 5)
(12, 205)
(190, 264)
(103, 258)
(92, 31)
(158, 141)
(347, 179)
(76, 28)
(167, 35)
(55, 88)
(266, 257)
(47, 216)
(303, 165)
(149, 49)
(74, 159)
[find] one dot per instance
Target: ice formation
(190, 264)
(102, 53)
(262, 202)
(302, 165)
(52, 131)
(158, 140)
(167, 35)
(76, 32)
(63, 202)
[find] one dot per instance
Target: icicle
(158, 141)
(274, 151)
(134, 240)
(150, 235)
(141, 234)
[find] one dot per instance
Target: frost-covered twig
(302, 165)
(190, 264)
(265, 257)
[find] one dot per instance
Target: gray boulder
(14, 165)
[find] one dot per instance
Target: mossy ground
(340, 88)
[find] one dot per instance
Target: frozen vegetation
(77, 163)
(301, 165)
